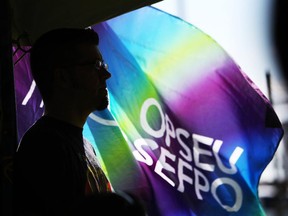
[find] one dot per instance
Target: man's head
(68, 59)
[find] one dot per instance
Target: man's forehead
(99, 53)
(90, 51)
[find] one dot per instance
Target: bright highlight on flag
(187, 131)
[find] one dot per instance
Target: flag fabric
(29, 105)
(186, 130)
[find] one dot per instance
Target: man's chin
(102, 106)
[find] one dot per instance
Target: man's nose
(106, 74)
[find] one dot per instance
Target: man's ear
(62, 78)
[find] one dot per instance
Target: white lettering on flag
(181, 166)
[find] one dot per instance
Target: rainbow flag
(186, 131)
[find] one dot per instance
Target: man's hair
(55, 49)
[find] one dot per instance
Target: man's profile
(54, 167)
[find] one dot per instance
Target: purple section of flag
(28, 99)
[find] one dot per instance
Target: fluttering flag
(186, 131)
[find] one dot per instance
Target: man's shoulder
(39, 129)
(41, 132)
